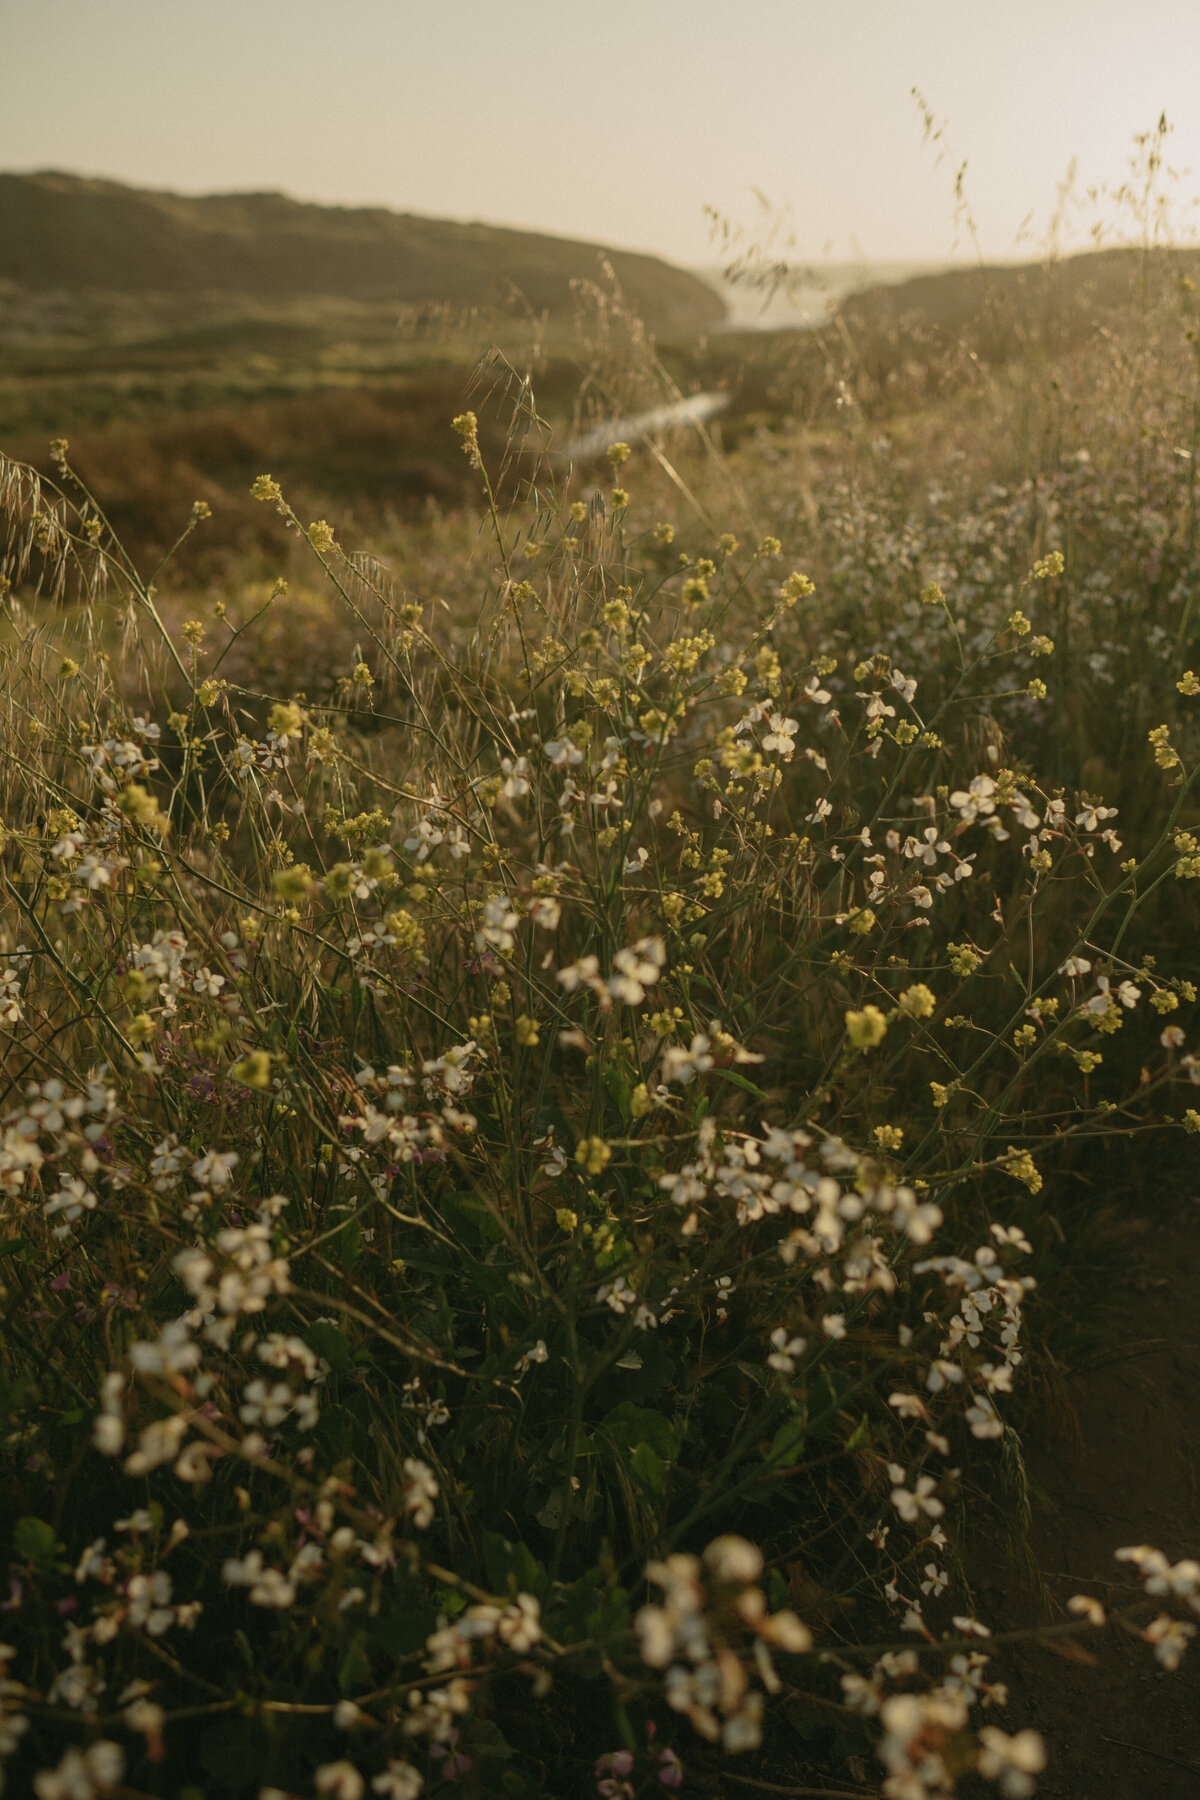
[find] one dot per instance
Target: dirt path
(1124, 1470)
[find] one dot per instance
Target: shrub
(519, 1176)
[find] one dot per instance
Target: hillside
(60, 231)
(1003, 307)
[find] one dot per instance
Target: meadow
(555, 1058)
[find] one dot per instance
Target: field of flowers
(539, 1073)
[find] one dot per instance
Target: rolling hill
(60, 231)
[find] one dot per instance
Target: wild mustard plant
(520, 1173)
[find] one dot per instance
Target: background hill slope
(65, 231)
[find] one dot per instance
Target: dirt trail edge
(1126, 1470)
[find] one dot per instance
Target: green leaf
(11, 1245)
(349, 1243)
(648, 1469)
(450, 1601)
(329, 1342)
(402, 1632)
(629, 1425)
(487, 1740)
(34, 1540)
(512, 1566)
(859, 1435)
(741, 1082)
(355, 1671)
(787, 1446)
(617, 1083)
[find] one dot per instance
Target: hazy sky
(617, 120)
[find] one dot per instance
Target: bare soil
(1116, 1463)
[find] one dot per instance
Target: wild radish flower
(983, 1418)
(781, 735)
(420, 1491)
(786, 1350)
(683, 1066)
(927, 848)
(1170, 1638)
(916, 1502)
(519, 1625)
(268, 1587)
(83, 1774)
(516, 773)
(975, 801)
(539, 1354)
(399, 1781)
(1011, 1762)
(215, 1168)
(340, 1780)
(545, 911)
(734, 1559)
(584, 972)
(498, 927)
(71, 1201)
(562, 753)
(636, 969)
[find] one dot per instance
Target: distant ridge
(61, 231)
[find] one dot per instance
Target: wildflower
(734, 1559)
(920, 1500)
(1021, 1166)
(320, 536)
(265, 487)
(420, 1491)
(1165, 755)
(975, 801)
(399, 1781)
(268, 1587)
(562, 752)
(636, 969)
(781, 734)
(786, 1350)
(82, 1774)
(670, 1769)
(684, 1065)
(467, 427)
(593, 1155)
(867, 1028)
(215, 1168)
(1170, 1638)
(341, 1780)
(918, 1001)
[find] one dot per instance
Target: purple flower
(616, 1762)
(670, 1769)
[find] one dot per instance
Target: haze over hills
(60, 231)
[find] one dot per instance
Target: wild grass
(539, 1068)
